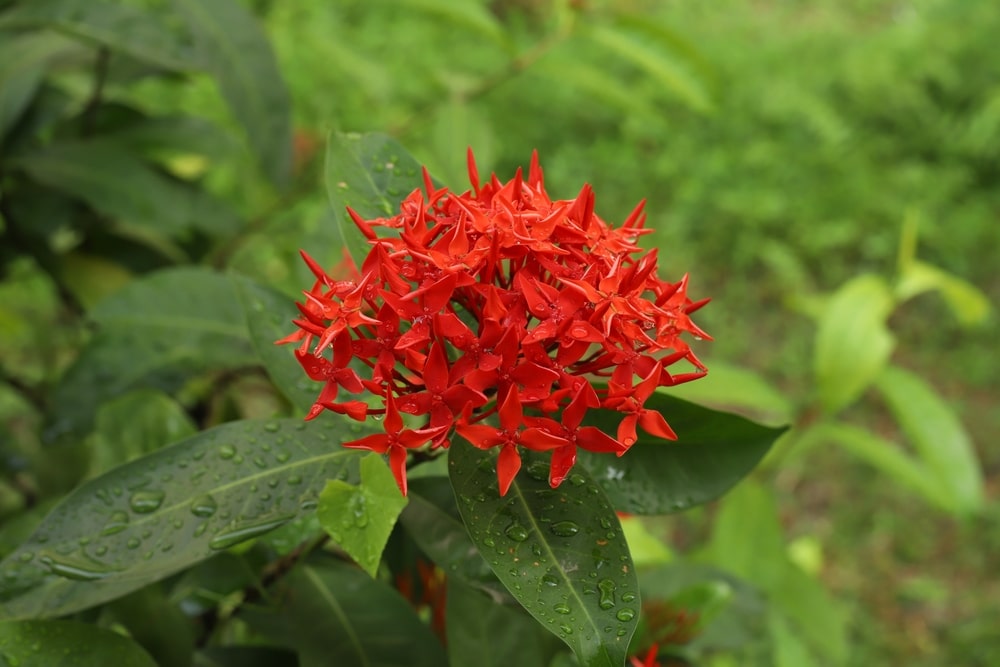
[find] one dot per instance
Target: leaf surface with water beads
(359, 517)
(560, 552)
(166, 511)
(714, 450)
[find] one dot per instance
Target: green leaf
(67, 644)
(433, 522)
(937, 435)
(111, 179)
(231, 47)
(560, 552)
(853, 343)
(335, 614)
(471, 17)
(748, 541)
(144, 34)
(966, 301)
(158, 625)
(174, 135)
(157, 332)
(738, 623)
(886, 456)
(162, 513)
(731, 387)
(136, 424)
(372, 174)
(269, 315)
(359, 517)
(486, 634)
(789, 650)
(23, 61)
(713, 452)
(660, 65)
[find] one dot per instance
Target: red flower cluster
(498, 301)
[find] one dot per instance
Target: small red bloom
(498, 304)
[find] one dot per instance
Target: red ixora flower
(498, 304)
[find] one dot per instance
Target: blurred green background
(782, 147)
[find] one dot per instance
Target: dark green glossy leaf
(335, 614)
(232, 47)
(713, 452)
(113, 180)
(434, 523)
(269, 316)
(372, 174)
(159, 514)
(360, 517)
(486, 634)
(67, 644)
(23, 61)
(157, 332)
(560, 552)
(141, 33)
(156, 624)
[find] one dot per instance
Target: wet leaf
(560, 552)
(166, 511)
(359, 517)
(714, 451)
(67, 644)
(372, 174)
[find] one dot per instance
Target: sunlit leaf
(231, 46)
(67, 644)
(372, 174)
(472, 16)
(560, 552)
(886, 456)
(853, 342)
(714, 451)
(166, 511)
(657, 63)
(969, 304)
(730, 387)
(938, 436)
(359, 517)
(748, 541)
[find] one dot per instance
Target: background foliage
(808, 162)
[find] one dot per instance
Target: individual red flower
(502, 315)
